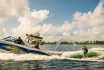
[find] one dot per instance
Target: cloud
(10, 9)
(91, 24)
(2, 30)
(54, 30)
(29, 22)
(85, 26)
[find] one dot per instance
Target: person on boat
(19, 41)
(85, 51)
(37, 45)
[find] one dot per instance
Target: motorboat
(8, 44)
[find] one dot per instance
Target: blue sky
(54, 19)
(62, 9)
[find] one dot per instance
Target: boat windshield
(10, 39)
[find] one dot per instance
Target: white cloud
(85, 26)
(29, 22)
(2, 30)
(10, 9)
(90, 26)
(55, 30)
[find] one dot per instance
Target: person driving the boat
(19, 40)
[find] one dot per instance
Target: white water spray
(64, 39)
(64, 55)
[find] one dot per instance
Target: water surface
(59, 60)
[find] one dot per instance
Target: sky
(77, 20)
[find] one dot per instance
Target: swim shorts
(85, 51)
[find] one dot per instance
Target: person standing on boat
(37, 44)
(85, 51)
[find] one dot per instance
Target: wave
(95, 54)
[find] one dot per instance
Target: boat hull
(16, 48)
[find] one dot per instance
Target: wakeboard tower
(33, 37)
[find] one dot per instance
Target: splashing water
(64, 39)
(58, 43)
(71, 55)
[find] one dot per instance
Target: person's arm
(82, 48)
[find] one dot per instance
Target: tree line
(66, 42)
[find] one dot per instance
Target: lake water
(60, 59)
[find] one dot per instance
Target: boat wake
(95, 54)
